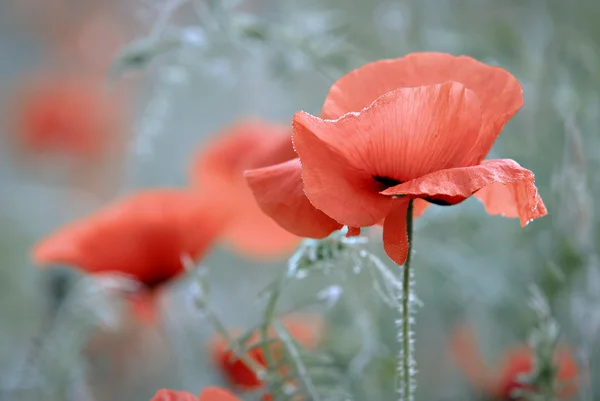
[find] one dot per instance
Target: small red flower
(306, 331)
(217, 170)
(415, 128)
(143, 235)
(68, 115)
(500, 383)
(208, 394)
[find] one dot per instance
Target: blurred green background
(469, 265)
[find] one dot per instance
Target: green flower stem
(406, 371)
(268, 317)
(238, 350)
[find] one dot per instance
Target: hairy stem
(406, 335)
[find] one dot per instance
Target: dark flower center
(158, 280)
(386, 181)
(441, 200)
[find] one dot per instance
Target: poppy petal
(403, 135)
(333, 184)
(218, 171)
(463, 345)
(454, 185)
(279, 192)
(500, 93)
(516, 362)
(419, 207)
(216, 394)
(306, 329)
(255, 234)
(567, 372)
(395, 238)
(246, 145)
(237, 373)
(71, 114)
(500, 199)
(353, 232)
(172, 395)
(143, 235)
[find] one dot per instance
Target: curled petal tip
(48, 252)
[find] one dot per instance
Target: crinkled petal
(279, 192)
(500, 93)
(395, 238)
(454, 185)
(499, 199)
(403, 135)
(143, 235)
(332, 183)
(172, 395)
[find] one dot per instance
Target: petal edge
(460, 183)
(279, 192)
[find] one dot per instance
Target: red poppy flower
(306, 331)
(143, 235)
(71, 115)
(417, 127)
(208, 394)
(218, 171)
(500, 383)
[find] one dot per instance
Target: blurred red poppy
(143, 235)
(69, 115)
(414, 128)
(306, 331)
(71, 126)
(208, 394)
(501, 382)
(217, 170)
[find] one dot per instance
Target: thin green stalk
(405, 374)
(268, 318)
(299, 364)
(239, 351)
